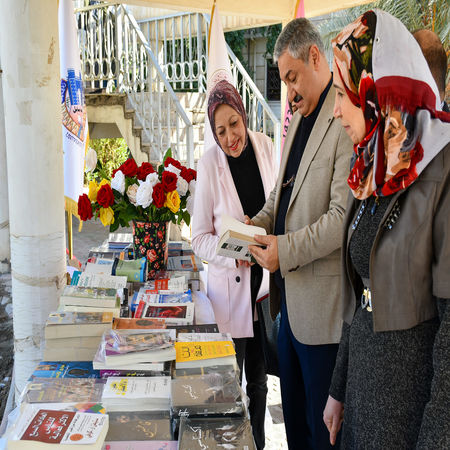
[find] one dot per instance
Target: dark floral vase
(150, 240)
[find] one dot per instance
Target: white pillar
(5, 251)
(31, 91)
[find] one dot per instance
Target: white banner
(73, 105)
(218, 66)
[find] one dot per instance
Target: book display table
(147, 369)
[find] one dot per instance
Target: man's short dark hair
(297, 37)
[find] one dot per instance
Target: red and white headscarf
(385, 74)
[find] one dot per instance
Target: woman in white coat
(235, 179)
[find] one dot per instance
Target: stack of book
(74, 336)
(90, 299)
(175, 307)
(136, 350)
(212, 394)
(137, 394)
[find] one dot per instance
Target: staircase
(148, 80)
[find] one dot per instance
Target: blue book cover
(65, 369)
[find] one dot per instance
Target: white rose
(90, 160)
(118, 182)
(152, 179)
(190, 205)
(182, 186)
(131, 192)
(144, 195)
(173, 169)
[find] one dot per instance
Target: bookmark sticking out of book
(235, 237)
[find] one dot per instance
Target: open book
(235, 237)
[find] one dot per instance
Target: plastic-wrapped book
(229, 433)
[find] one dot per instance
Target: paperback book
(64, 390)
(185, 263)
(104, 281)
(74, 324)
(165, 371)
(144, 323)
(199, 328)
(65, 369)
(52, 429)
(134, 270)
(75, 308)
(203, 337)
(207, 395)
(133, 346)
(215, 433)
(89, 296)
(235, 237)
(173, 313)
(139, 426)
(202, 354)
(137, 394)
(141, 445)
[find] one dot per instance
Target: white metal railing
(180, 41)
(116, 57)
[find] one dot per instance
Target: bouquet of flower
(141, 194)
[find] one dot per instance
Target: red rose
(105, 196)
(84, 208)
(174, 163)
(151, 255)
(144, 170)
(188, 174)
(169, 181)
(147, 239)
(129, 168)
(158, 195)
(159, 234)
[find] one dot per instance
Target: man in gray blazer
(303, 217)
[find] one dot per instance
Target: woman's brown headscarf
(225, 93)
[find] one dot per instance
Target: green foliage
(415, 14)
(236, 40)
(111, 153)
(271, 33)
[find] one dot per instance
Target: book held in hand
(235, 237)
(52, 429)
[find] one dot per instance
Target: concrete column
(5, 250)
(29, 53)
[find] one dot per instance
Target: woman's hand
(333, 416)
